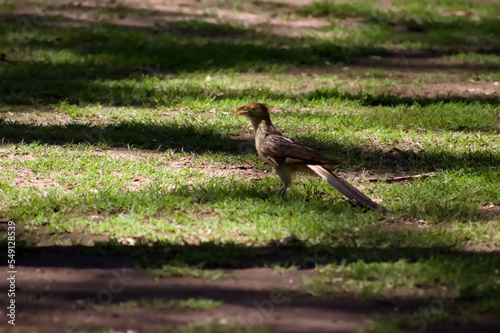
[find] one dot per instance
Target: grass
(373, 278)
(409, 25)
(218, 328)
(475, 58)
(162, 303)
(174, 270)
(206, 328)
(101, 137)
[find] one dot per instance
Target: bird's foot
(281, 192)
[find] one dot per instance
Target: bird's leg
(286, 176)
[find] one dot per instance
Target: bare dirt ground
(64, 289)
(70, 293)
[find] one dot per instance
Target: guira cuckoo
(288, 157)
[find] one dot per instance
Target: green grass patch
(163, 303)
(410, 24)
(476, 58)
(177, 271)
(445, 286)
(468, 276)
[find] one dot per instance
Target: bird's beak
(241, 111)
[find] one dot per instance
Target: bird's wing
(285, 150)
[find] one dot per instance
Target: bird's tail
(345, 188)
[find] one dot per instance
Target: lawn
(141, 205)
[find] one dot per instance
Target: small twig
(401, 178)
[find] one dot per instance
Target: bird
(288, 157)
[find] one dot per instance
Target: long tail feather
(345, 188)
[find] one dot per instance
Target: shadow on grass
(69, 62)
(455, 269)
(438, 25)
(416, 246)
(108, 51)
(201, 139)
(145, 136)
(52, 86)
(219, 255)
(387, 99)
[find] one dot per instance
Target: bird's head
(254, 111)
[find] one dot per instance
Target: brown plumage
(288, 157)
